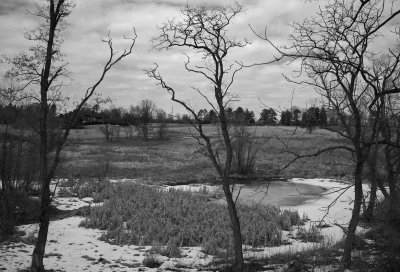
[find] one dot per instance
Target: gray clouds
(91, 20)
(9, 7)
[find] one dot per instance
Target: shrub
(30, 239)
(170, 250)
(162, 131)
(64, 192)
(310, 235)
(285, 222)
(387, 214)
(245, 149)
(7, 214)
(102, 165)
(143, 215)
(88, 188)
(289, 219)
(16, 207)
(6, 228)
(70, 182)
(385, 229)
(151, 261)
(111, 132)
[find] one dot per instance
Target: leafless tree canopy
(335, 50)
(44, 67)
(205, 32)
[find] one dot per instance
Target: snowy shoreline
(72, 248)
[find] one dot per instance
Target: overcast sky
(127, 83)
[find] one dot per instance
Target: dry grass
(145, 215)
(179, 159)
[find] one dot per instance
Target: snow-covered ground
(72, 248)
(71, 203)
(333, 207)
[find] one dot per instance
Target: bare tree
(205, 32)
(383, 79)
(110, 132)
(335, 51)
(161, 118)
(43, 66)
(144, 114)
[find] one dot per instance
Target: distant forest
(147, 112)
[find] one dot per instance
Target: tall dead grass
(143, 215)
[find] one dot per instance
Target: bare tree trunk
(390, 174)
(17, 171)
(44, 220)
(373, 178)
(4, 159)
(38, 253)
(204, 31)
(53, 12)
(382, 187)
(369, 213)
(358, 195)
(235, 225)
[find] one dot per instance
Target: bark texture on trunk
(225, 174)
(373, 178)
(369, 213)
(54, 10)
(235, 225)
(358, 196)
(44, 221)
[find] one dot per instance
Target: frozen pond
(279, 193)
(315, 198)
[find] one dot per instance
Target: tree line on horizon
(146, 111)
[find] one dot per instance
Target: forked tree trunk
(54, 9)
(204, 32)
(44, 219)
(57, 11)
(235, 225)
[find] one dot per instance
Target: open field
(178, 159)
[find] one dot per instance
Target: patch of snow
(198, 188)
(72, 248)
(334, 207)
(87, 200)
(123, 180)
(70, 203)
(193, 257)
